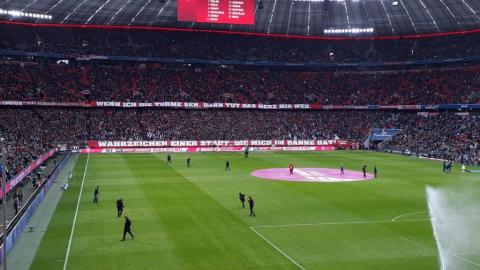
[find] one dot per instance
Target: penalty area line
(425, 211)
(277, 249)
(75, 216)
(408, 214)
(350, 222)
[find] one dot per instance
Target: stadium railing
(315, 65)
(20, 221)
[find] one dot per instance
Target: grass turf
(190, 218)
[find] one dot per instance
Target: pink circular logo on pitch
(311, 175)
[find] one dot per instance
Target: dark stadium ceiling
(291, 17)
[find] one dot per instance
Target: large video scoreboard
(216, 11)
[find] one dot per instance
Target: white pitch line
(424, 211)
(277, 249)
(349, 222)
(75, 216)
(467, 260)
(334, 223)
(408, 214)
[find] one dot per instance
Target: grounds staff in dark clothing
(120, 207)
(127, 228)
(241, 196)
(96, 194)
(227, 166)
(251, 203)
(16, 205)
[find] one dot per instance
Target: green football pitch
(190, 218)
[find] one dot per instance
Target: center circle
(324, 175)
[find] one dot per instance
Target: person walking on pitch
(169, 159)
(251, 203)
(127, 228)
(227, 166)
(96, 194)
(120, 207)
(241, 196)
(342, 169)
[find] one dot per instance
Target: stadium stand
(32, 81)
(231, 47)
(33, 131)
(440, 135)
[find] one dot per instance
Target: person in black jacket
(96, 194)
(241, 196)
(227, 165)
(127, 228)
(120, 207)
(251, 203)
(16, 205)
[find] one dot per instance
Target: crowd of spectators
(23, 144)
(211, 46)
(28, 134)
(441, 135)
(33, 131)
(32, 81)
(55, 126)
(230, 125)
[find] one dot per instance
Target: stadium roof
(285, 17)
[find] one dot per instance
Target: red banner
(211, 143)
(206, 149)
(43, 103)
(214, 105)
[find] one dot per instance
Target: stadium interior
(354, 124)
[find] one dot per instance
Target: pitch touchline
(75, 216)
(277, 249)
